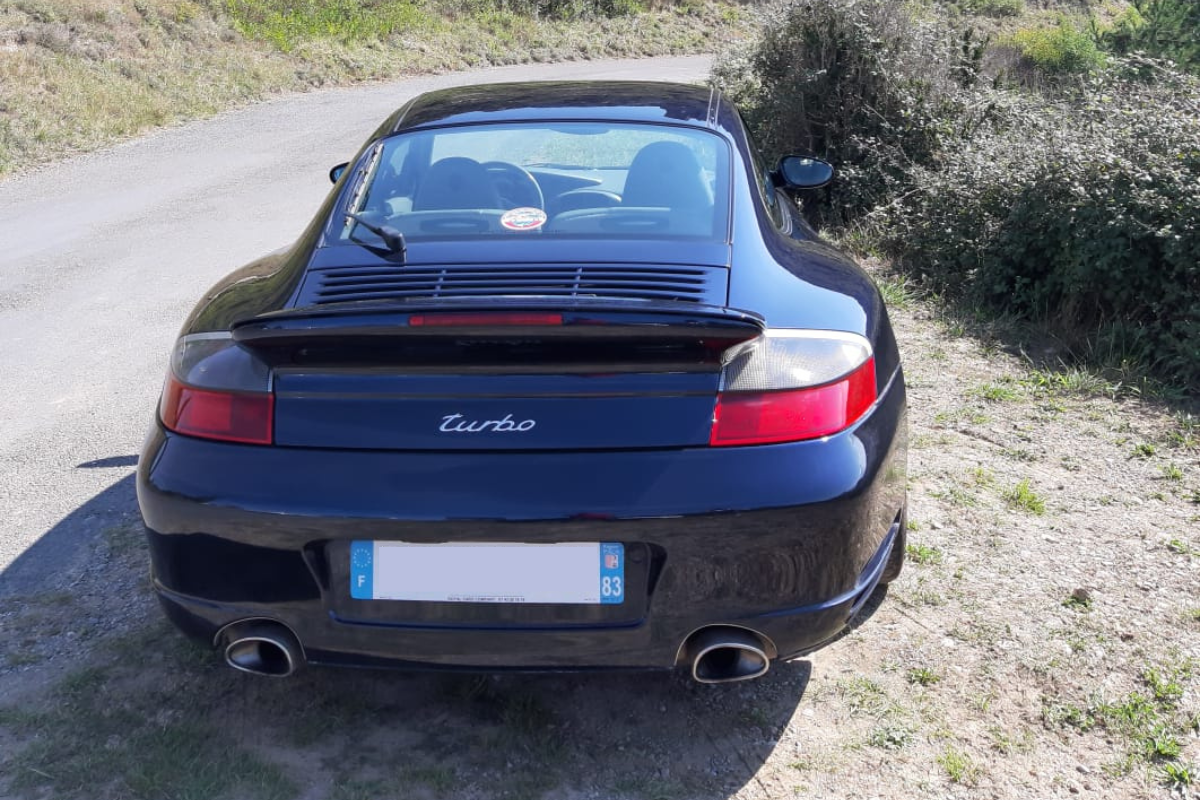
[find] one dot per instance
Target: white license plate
(476, 572)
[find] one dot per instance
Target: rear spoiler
(552, 318)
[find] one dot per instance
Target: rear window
(571, 179)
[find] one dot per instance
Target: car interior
(663, 191)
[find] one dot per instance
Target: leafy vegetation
(1064, 48)
(77, 74)
(1166, 28)
(1071, 200)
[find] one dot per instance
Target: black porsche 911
(557, 378)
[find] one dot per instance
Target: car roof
(626, 101)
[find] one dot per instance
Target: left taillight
(217, 389)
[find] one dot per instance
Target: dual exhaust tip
(261, 647)
(725, 654)
(721, 654)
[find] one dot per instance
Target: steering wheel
(515, 185)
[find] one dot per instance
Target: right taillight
(217, 389)
(791, 385)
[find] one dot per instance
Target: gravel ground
(1043, 642)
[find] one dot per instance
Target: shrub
(1167, 28)
(996, 8)
(1061, 50)
(1082, 212)
(861, 83)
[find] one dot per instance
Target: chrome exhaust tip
(261, 647)
(727, 654)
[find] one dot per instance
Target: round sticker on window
(523, 219)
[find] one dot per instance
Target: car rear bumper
(785, 540)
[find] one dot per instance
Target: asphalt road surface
(102, 257)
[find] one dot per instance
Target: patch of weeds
(1000, 392)
(525, 784)
(1072, 380)
(1179, 776)
(123, 540)
(93, 734)
(959, 766)
(944, 419)
(1080, 600)
(864, 695)
(754, 717)
(1069, 715)
(1166, 686)
(1024, 498)
(897, 292)
(1019, 454)
(1182, 548)
(890, 737)
(21, 659)
(1004, 742)
(359, 790)
(1143, 450)
(1172, 472)
(956, 496)
(923, 676)
(438, 778)
(928, 597)
(1193, 614)
(983, 476)
(923, 554)
(1160, 744)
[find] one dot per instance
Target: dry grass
(78, 74)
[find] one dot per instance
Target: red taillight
(228, 416)
(485, 319)
(790, 415)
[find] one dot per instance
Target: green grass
(151, 748)
(1149, 724)
(890, 737)
(864, 695)
(923, 554)
(1023, 498)
(1179, 776)
(1182, 548)
(897, 292)
(959, 766)
(1080, 599)
(1172, 472)
(1000, 392)
(1143, 450)
(923, 676)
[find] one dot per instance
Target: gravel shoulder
(1043, 642)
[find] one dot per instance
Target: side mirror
(802, 172)
(337, 171)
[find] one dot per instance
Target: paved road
(102, 256)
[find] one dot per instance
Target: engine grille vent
(345, 284)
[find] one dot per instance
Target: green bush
(861, 83)
(1165, 28)
(1061, 50)
(1081, 212)
(996, 8)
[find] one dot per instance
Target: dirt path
(1044, 642)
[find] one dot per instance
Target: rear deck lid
(482, 373)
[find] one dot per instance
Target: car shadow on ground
(77, 606)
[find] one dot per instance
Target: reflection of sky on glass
(608, 146)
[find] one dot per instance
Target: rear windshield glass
(575, 179)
